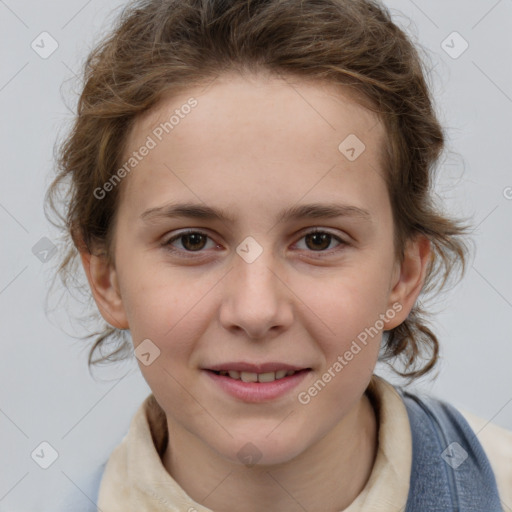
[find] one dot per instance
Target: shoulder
(494, 441)
(497, 444)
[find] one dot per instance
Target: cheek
(347, 326)
(344, 316)
(162, 305)
(348, 300)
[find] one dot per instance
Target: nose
(256, 299)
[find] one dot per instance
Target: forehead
(259, 133)
(304, 106)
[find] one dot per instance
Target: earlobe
(410, 278)
(103, 281)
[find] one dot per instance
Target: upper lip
(254, 368)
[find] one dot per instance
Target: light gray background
(46, 393)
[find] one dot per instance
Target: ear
(104, 285)
(408, 279)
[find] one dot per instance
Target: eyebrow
(297, 212)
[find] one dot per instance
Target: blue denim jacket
(450, 471)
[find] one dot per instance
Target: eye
(191, 241)
(319, 241)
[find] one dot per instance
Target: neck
(327, 477)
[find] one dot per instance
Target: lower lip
(258, 391)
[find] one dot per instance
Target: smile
(256, 377)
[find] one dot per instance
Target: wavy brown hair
(161, 47)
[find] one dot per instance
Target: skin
(253, 146)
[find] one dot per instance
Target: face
(254, 240)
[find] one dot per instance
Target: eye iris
(196, 239)
(323, 238)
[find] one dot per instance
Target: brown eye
(191, 241)
(318, 241)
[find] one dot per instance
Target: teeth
(249, 377)
(256, 377)
(267, 377)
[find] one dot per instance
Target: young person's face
(258, 289)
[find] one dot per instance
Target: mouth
(256, 382)
(258, 377)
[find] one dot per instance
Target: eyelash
(192, 254)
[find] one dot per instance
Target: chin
(261, 449)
